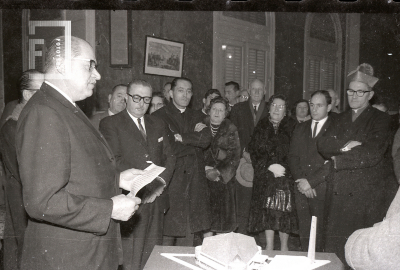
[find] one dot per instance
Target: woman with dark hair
(301, 111)
(222, 159)
(272, 203)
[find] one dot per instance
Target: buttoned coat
(242, 116)
(355, 196)
(188, 189)
(145, 229)
(68, 176)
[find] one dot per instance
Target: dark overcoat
(223, 208)
(188, 190)
(355, 196)
(68, 176)
(16, 217)
(242, 116)
(268, 147)
(145, 229)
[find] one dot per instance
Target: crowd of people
(238, 164)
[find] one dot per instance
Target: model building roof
(229, 247)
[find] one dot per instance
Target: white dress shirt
(135, 120)
(320, 124)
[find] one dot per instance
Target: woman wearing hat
(272, 205)
(222, 159)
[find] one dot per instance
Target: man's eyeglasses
(137, 98)
(280, 107)
(360, 93)
(93, 64)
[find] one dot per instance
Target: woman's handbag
(280, 201)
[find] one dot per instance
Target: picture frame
(163, 57)
(120, 38)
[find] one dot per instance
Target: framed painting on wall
(163, 57)
(120, 38)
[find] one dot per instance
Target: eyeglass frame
(92, 63)
(280, 108)
(356, 91)
(140, 98)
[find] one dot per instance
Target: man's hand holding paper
(126, 178)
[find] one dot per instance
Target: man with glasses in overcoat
(356, 144)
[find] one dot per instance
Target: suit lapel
(150, 129)
(323, 128)
(133, 129)
(176, 120)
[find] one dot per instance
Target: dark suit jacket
(242, 117)
(96, 118)
(188, 190)
(68, 176)
(16, 217)
(130, 148)
(145, 229)
(304, 159)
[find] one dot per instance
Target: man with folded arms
(189, 211)
(68, 172)
(356, 143)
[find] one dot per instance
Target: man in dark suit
(309, 168)
(189, 211)
(69, 179)
(356, 142)
(116, 101)
(137, 139)
(245, 116)
(16, 218)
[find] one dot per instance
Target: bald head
(75, 74)
(257, 91)
(335, 98)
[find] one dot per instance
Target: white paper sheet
(142, 180)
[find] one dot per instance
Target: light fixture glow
(390, 53)
(224, 47)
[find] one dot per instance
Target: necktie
(141, 128)
(255, 109)
(315, 130)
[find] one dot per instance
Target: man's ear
(337, 102)
(204, 101)
(171, 93)
(109, 98)
(371, 94)
(26, 94)
(330, 107)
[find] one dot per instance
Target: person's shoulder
(156, 120)
(160, 112)
(106, 119)
(100, 115)
(301, 125)
(240, 106)
(9, 127)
